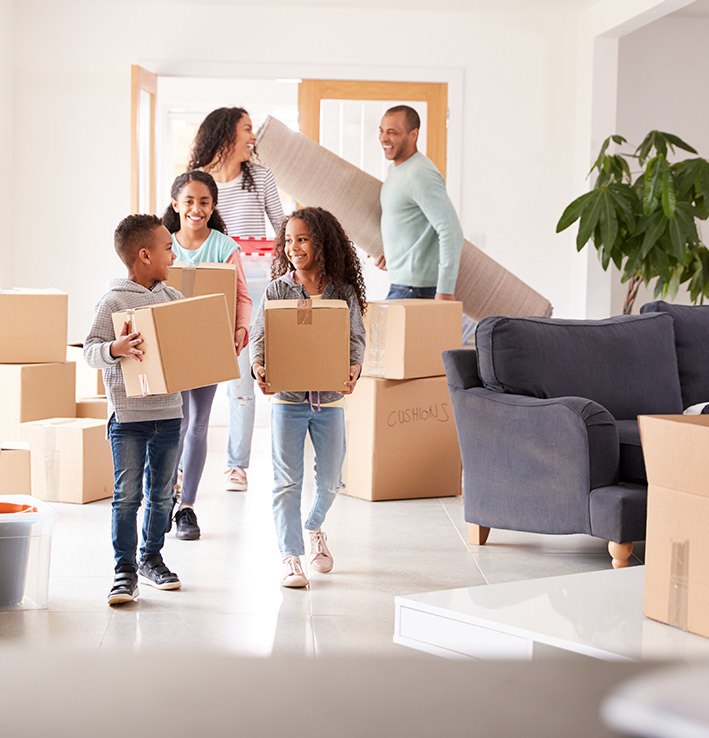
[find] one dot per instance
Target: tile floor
(231, 600)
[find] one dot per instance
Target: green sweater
(420, 230)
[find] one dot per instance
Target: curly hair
(215, 140)
(334, 253)
(132, 234)
(171, 219)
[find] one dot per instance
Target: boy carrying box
(144, 432)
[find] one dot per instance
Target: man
(420, 230)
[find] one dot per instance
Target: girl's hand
(260, 374)
(239, 340)
(355, 370)
(126, 344)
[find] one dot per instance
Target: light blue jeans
(144, 461)
(403, 292)
(290, 423)
(242, 411)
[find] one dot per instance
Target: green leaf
(669, 201)
(573, 211)
(656, 225)
(652, 183)
(589, 218)
(679, 143)
(608, 220)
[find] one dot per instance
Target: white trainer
(292, 573)
(236, 480)
(320, 557)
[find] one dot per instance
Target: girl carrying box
(313, 259)
(198, 236)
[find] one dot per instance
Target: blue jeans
(289, 425)
(402, 292)
(242, 411)
(196, 408)
(144, 460)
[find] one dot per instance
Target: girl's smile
(298, 246)
(194, 205)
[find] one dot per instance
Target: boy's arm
(102, 349)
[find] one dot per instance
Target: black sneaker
(186, 523)
(125, 586)
(172, 510)
(152, 571)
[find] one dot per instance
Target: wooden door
(312, 92)
(144, 89)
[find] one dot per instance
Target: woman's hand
(239, 340)
(127, 344)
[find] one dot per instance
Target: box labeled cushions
(401, 440)
(34, 391)
(33, 326)
(677, 546)
(195, 280)
(187, 344)
(405, 338)
(71, 459)
(307, 345)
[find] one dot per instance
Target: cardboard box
(401, 440)
(307, 345)
(15, 469)
(92, 407)
(89, 382)
(677, 545)
(71, 459)
(33, 327)
(187, 344)
(34, 391)
(195, 280)
(405, 338)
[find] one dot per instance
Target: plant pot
(15, 538)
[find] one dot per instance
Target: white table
(598, 614)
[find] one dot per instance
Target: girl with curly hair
(313, 258)
(224, 147)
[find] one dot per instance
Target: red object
(255, 246)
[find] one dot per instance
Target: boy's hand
(260, 373)
(355, 370)
(239, 339)
(127, 344)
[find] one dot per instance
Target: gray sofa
(546, 412)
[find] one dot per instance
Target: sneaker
(320, 557)
(152, 571)
(236, 479)
(125, 586)
(292, 573)
(186, 523)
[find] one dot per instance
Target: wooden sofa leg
(620, 553)
(477, 534)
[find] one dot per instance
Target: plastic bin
(25, 547)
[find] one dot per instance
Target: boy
(144, 432)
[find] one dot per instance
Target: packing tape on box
(144, 384)
(304, 312)
(678, 599)
(376, 350)
(189, 273)
(51, 458)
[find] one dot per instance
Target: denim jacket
(285, 288)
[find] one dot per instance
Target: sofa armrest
(529, 463)
(461, 367)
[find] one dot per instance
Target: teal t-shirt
(216, 249)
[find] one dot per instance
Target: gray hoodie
(285, 288)
(124, 295)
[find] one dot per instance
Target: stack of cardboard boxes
(59, 457)
(401, 435)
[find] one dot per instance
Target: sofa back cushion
(692, 343)
(626, 363)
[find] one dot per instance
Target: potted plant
(645, 222)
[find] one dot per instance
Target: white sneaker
(236, 479)
(292, 573)
(320, 557)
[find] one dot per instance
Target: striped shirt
(243, 211)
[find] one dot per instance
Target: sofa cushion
(631, 464)
(692, 343)
(626, 363)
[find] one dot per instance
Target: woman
(224, 147)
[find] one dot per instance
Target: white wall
(72, 118)
(662, 91)
(6, 84)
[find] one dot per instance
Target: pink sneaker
(320, 557)
(292, 573)
(236, 479)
